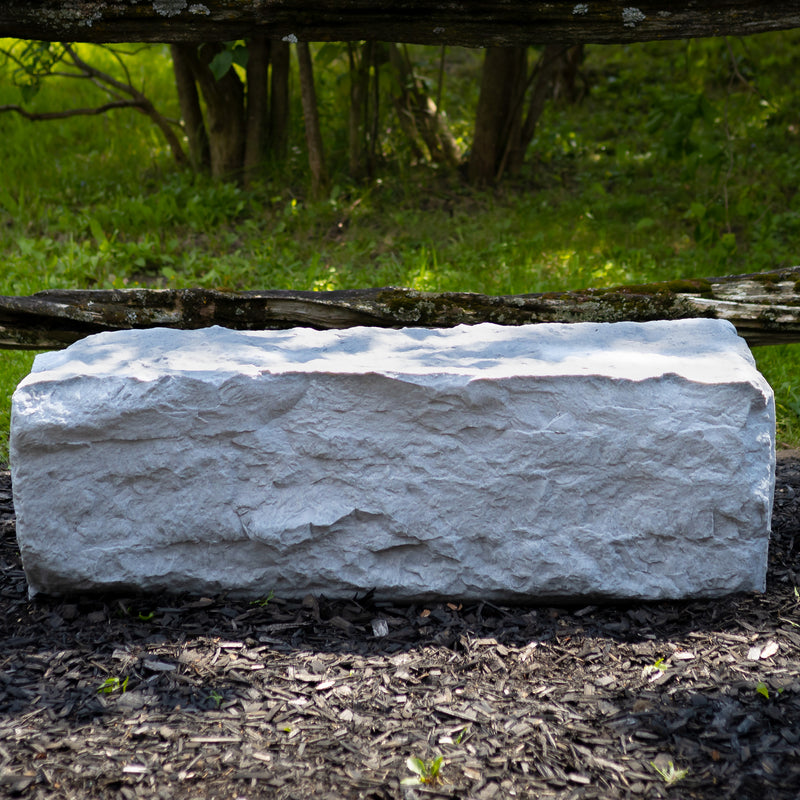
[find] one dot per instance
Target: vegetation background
(666, 160)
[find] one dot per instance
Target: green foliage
(683, 160)
(763, 690)
(28, 62)
(234, 53)
(657, 666)
(427, 772)
(263, 602)
(113, 684)
(779, 365)
(14, 366)
(670, 774)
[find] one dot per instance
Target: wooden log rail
(764, 307)
(474, 23)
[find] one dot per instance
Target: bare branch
(104, 77)
(72, 112)
(122, 65)
(112, 87)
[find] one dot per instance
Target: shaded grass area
(682, 160)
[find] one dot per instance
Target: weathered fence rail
(764, 307)
(474, 23)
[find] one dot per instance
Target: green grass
(671, 167)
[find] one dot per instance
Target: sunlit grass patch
(780, 365)
(14, 366)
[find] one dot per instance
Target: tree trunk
(316, 157)
(473, 23)
(501, 137)
(419, 116)
(193, 122)
(225, 113)
(764, 307)
(257, 115)
(498, 118)
(566, 78)
(546, 74)
(361, 58)
(279, 100)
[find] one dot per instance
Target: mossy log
(474, 23)
(764, 307)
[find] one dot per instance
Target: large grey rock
(609, 461)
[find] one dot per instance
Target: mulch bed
(187, 697)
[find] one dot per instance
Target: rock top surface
(625, 460)
(702, 350)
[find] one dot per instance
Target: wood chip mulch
(187, 697)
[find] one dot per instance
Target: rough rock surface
(418, 462)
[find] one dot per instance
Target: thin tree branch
(104, 77)
(72, 112)
(114, 88)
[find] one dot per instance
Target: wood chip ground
(187, 697)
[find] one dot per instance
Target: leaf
(29, 91)
(328, 53)
(435, 766)
(461, 735)
(728, 241)
(97, 232)
(416, 765)
(671, 774)
(240, 55)
(763, 689)
(111, 685)
(221, 63)
(696, 211)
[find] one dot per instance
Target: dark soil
(177, 697)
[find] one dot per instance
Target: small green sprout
(657, 666)
(427, 772)
(216, 698)
(263, 601)
(111, 685)
(763, 689)
(670, 774)
(463, 733)
(146, 617)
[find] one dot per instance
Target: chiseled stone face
(620, 460)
